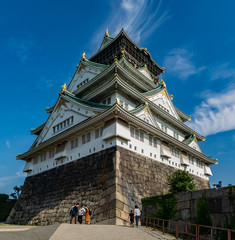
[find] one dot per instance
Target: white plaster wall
(79, 77)
(130, 143)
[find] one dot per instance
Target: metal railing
(186, 230)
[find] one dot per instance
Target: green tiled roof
(85, 102)
(138, 109)
(154, 91)
(188, 140)
(96, 64)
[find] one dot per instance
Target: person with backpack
(88, 212)
(74, 212)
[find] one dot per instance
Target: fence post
(176, 230)
(163, 226)
(211, 232)
(198, 232)
(154, 223)
(229, 234)
(186, 228)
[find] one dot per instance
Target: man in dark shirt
(74, 213)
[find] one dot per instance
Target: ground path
(82, 232)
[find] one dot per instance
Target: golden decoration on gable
(107, 33)
(64, 87)
(163, 83)
(83, 56)
(146, 103)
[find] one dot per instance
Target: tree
(17, 191)
(180, 181)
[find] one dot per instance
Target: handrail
(179, 228)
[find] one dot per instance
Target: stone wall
(111, 182)
(221, 206)
(138, 177)
(47, 197)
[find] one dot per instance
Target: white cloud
(4, 181)
(139, 18)
(8, 144)
(21, 47)
(223, 71)
(215, 114)
(179, 62)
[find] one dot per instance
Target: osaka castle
(112, 137)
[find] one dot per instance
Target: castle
(113, 137)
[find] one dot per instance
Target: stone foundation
(110, 182)
(221, 205)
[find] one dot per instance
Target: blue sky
(42, 42)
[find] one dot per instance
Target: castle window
(109, 100)
(74, 143)
(176, 135)
(150, 141)
(175, 152)
(164, 128)
(162, 107)
(141, 136)
(83, 139)
(63, 124)
(43, 157)
(190, 159)
(155, 142)
(88, 137)
(126, 106)
(51, 153)
(132, 132)
(97, 133)
(35, 160)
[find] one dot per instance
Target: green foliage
(166, 205)
(3, 197)
(5, 206)
(203, 215)
(16, 193)
(180, 181)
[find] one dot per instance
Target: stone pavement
(83, 232)
(104, 232)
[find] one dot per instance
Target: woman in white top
(137, 215)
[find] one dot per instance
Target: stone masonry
(221, 203)
(110, 182)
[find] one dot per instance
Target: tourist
(219, 185)
(81, 212)
(88, 220)
(132, 217)
(74, 213)
(137, 214)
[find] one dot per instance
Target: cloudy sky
(42, 42)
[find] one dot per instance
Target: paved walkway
(83, 232)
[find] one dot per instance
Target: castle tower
(112, 138)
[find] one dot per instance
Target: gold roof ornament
(146, 103)
(163, 83)
(64, 87)
(107, 33)
(194, 135)
(83, 56)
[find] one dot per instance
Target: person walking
(137, 214)
(132, 217)
(88, 219)
(74, 213)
